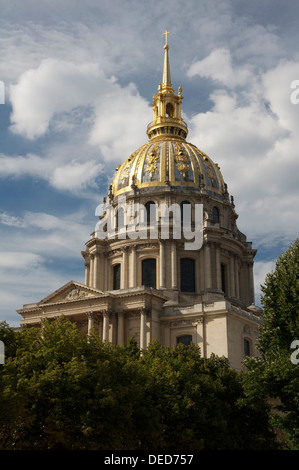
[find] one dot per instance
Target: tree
(273, 372)
(61, 391)
(64, 392)
(201, 402)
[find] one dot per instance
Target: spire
(167, 106)
(166, 81)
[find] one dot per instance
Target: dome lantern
(167, 106)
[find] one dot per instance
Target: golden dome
(167, 159)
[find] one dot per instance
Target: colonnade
(103, 320)
(96, 266)
(209, 272)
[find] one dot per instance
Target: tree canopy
(276, 372)
(61, 391)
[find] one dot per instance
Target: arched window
(186, 213)
(247, 348)
(150, 208)
(169, 110)
(185, 339)
(149, 272)
(187, 274)
(116, 277)
(215, 214)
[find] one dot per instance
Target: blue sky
(79, 79)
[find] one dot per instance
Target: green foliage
(281, 303)
(61, 391)
(273, 374)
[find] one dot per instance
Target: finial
(165, 34)
(166, 81)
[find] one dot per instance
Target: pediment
(71, 291)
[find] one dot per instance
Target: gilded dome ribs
(152, 162)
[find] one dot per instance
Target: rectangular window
(185, 339)
(223, 278)
(149, 272)
(116, 277)
(187, 275)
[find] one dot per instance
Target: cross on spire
(165, 34)
(166, 81)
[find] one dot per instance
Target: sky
(77, 81)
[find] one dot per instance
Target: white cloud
(34, 247)
(78, 100)
(54, 87)
(253, 134)
(277, 90)
(261, 269)
(75, 175)
(120, 123)
(45, 234)
(25, 278)
(19, 260)
(218, 66)
(58, 87)
(30, 165)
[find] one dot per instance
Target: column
(90, 316)
(101, 273)
(87, 273)
(105, 273)
(237, 278)
(96, 271)
(232, 275)
(124, 278)
(208, 273)
(251, 283)
(173, 266)
(133, 267)
(197, 274)
(120, 329)
(218, 268)
(162, 264)
(142, 328)
(101, 328)
(91, 271)
(202, 269)
(105, 326)
(199, 334)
